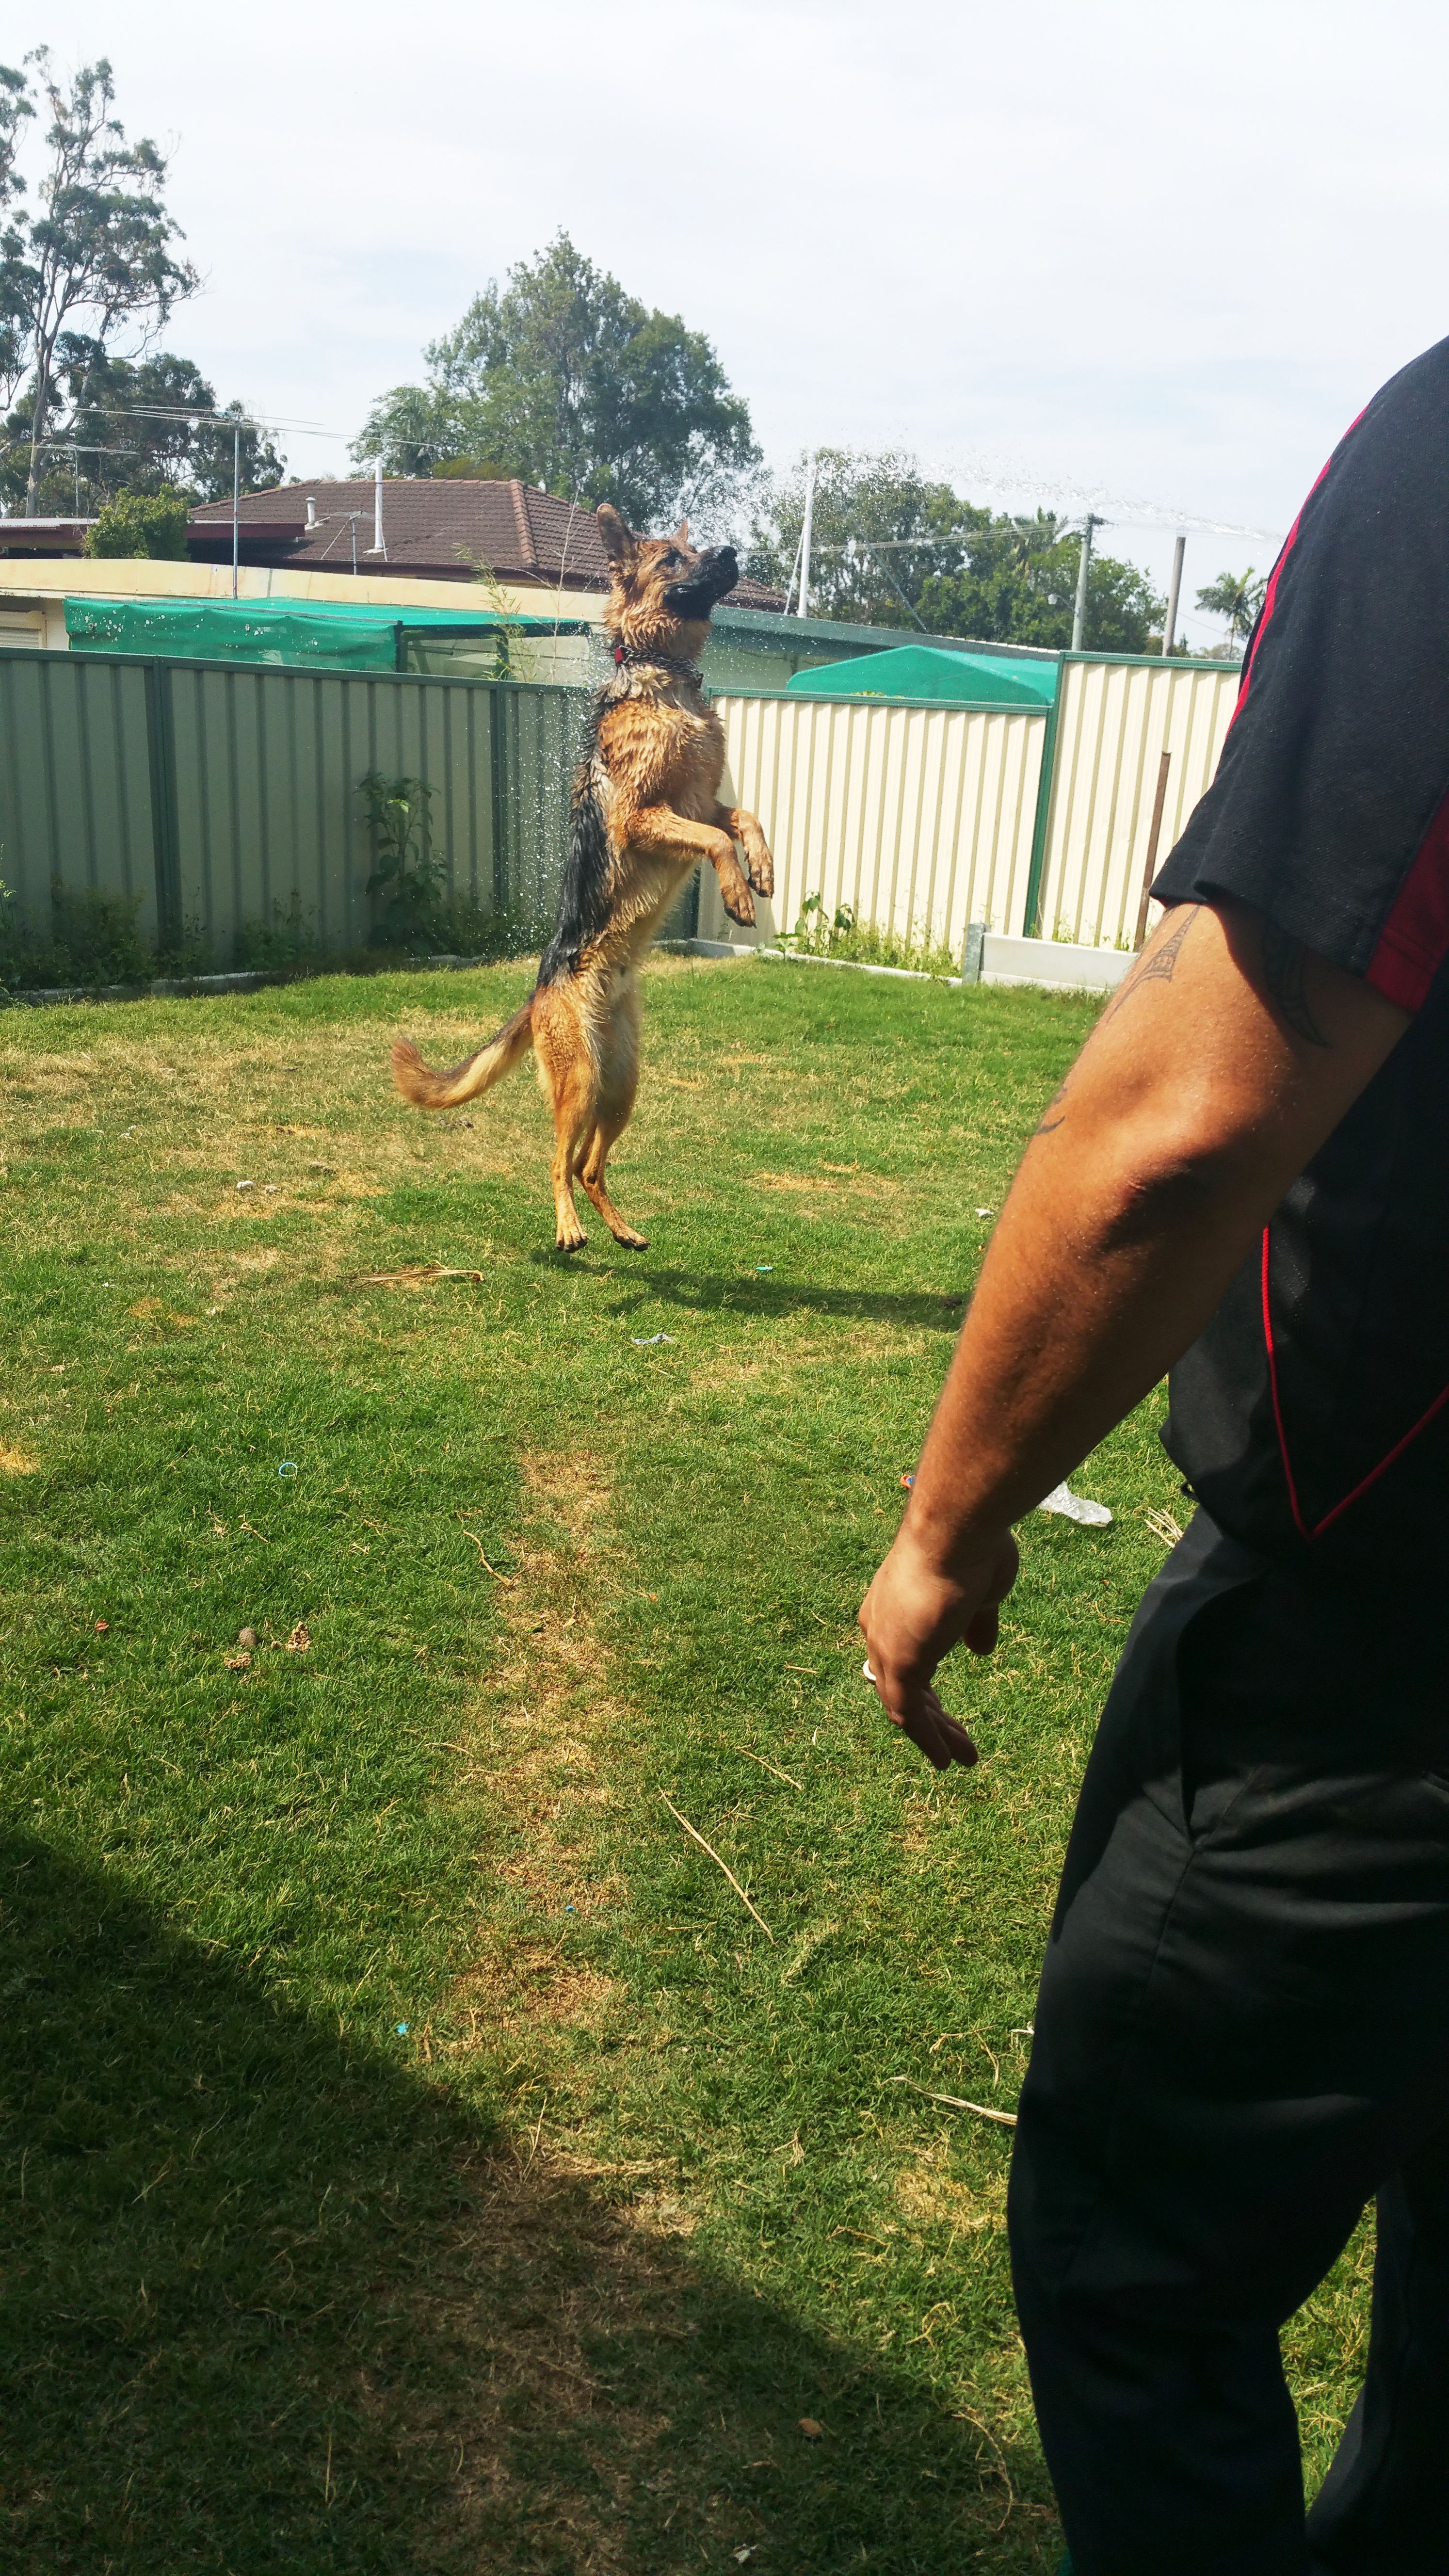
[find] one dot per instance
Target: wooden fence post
(1150, 871)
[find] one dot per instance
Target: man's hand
(916, 1610)
(1225, 1060)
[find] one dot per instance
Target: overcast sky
(1154, 256)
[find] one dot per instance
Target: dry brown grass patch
(16, 1462)
(538, 1754)
(544, 2275)
(927, 2196)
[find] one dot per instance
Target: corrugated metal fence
(923, 819)
(213, 795)
(1116, 723)
(919, 819)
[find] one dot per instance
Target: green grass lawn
(416, 2158)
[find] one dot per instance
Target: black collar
(631, 657)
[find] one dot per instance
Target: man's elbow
(1179, 1183)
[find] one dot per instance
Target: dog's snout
(715, 574)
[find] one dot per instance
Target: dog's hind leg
(605, 1137)
(574, 1123)
(570, 1074)
(618, 1082)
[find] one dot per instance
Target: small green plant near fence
(93, 941)
(289, 943)
(407, 883)
(511, 661)
(865, 943)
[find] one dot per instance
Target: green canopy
(320, 634)
(925, 671)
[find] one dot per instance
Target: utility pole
(1169, 632)
(1079, 613)
(804, 607)
(235, 504)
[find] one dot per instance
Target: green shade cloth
(924, 671)
(298, 633)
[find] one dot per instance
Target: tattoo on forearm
(1285, 963)
(1159, 963)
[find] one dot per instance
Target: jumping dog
(645, 809)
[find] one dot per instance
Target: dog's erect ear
(681, 533)
(618, 544)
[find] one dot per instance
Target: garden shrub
(93, 940)
(141, 524)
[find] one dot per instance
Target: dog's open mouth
(712, 578)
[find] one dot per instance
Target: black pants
(1242, 2037)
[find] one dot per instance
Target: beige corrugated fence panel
(221, 796)
(1116, 719)
(918, 818)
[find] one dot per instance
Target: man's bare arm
(1227, 1058)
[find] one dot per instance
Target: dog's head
(662, 589)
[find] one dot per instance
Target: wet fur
(645, 810)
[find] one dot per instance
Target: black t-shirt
(1312, 1414)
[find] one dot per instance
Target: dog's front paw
(737, 903)
(761, 871)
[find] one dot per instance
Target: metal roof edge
(1155, 661)
(854, 698)
(769, 622)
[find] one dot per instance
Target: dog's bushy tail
(476, 1072)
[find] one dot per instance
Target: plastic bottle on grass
(1075, 1507)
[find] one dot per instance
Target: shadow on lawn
(277, 2305)
(746, 1294)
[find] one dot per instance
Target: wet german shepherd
(645, 809)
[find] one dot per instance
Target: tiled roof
(443, 530)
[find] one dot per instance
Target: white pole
(804, 607)
(235, 504)
(1079, 613)
(1169, 632)
(378, 547)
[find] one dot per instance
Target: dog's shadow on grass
(277, 2302)
(765, 1297)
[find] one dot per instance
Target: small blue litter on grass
(763, 1265)
(287, 1467)
(568, 1909)
(401, 2028)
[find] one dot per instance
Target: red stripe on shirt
(1414, 940)
(1374, 1473)
(1271, 1347)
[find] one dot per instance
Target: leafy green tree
(95, 259)
(946, 566)
(132, 424)
(15, 108)
(859, 500)
(562, 378)
(141, 523)
(1237, 597)
(1018, 585)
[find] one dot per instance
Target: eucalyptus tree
(93, 260)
